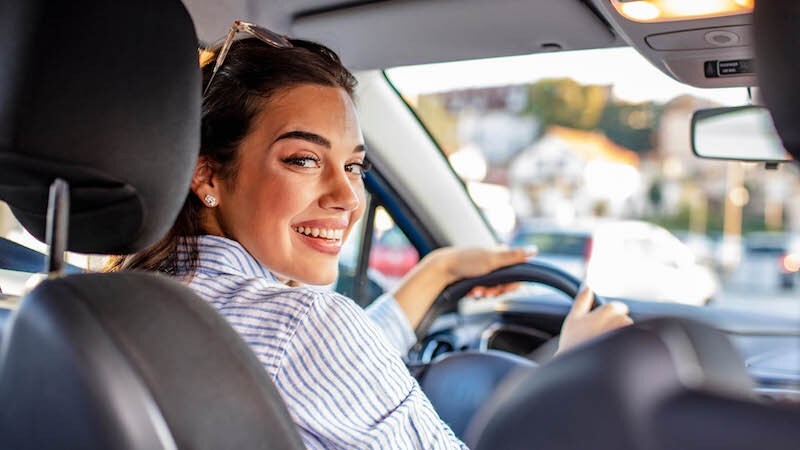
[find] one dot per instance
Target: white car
(624, 259)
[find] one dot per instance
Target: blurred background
(587, 155)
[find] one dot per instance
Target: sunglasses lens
(262, 34)
(265, 35)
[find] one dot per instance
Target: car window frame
(383, 194)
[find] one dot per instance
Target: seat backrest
(105, 95)
(458, 384)
(132, 361)
(662, 384)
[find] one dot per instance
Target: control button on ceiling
(722, 38)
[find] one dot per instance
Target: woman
(277, 189)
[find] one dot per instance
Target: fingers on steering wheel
(482, 291)
(614, 308)
(583, 302)
(477, 291)
(506, 257)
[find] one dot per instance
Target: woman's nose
(341, 192)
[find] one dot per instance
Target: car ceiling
(379, 34)
(387, 33)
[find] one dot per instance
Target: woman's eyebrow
(314, 138)
(306, 136)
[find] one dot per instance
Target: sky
(633, 77)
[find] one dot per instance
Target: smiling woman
(291, 177)
(235, 136)
(277, 188)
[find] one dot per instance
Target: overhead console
(680, 38)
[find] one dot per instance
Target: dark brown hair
(253, 73)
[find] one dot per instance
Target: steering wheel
(533, 271)
(446, 380)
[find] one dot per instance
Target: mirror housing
(742, 133)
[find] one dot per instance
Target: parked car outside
(627, 259)
(769, 260)
(392, 255)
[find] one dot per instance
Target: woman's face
(298, 189)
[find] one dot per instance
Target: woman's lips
(325, 240)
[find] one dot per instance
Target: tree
(631, 125)
(565, 102)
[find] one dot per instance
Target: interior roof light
(665, 10)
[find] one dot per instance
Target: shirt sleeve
(346, 387)
(389, 318)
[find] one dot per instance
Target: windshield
(587, 155)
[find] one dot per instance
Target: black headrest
(778, 56)
(105, 95)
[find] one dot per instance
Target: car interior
(99, 131)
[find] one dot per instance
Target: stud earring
(211, 200)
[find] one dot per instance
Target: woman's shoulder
(311, 299)
(263, 298)
(269, 315)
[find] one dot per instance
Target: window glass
(587, 154)
(23, 256)
(391, 256)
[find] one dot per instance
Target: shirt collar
(217, 254)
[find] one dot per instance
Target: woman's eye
(358, 168)
(305, 162)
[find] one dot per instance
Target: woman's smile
(326, 245)
(324, 235)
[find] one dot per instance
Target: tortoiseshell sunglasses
(262, 34)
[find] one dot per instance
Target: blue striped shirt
(337, 367)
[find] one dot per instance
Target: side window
(390, 256)
(22, 256)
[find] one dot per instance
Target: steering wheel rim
(531, 271)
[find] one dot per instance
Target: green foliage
(716, 224)
(631, 125)
(565, 102)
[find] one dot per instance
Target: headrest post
(57, 227)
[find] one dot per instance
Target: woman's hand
(420, 287)
(459, 263)
(583, 324)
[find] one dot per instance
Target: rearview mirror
(743, 133)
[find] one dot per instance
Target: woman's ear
(204, 183)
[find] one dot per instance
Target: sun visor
(387, 34)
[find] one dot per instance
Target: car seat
(101, 101)
(662, 384)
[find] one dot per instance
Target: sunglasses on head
(260, 33)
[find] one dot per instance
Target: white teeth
(321, 232)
